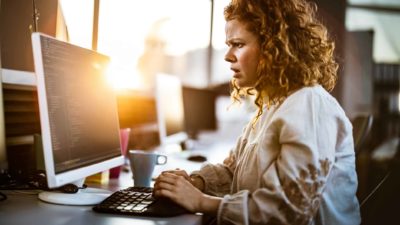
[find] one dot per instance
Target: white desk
(24, 207)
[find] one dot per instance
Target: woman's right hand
(175, 186)
(195, 181)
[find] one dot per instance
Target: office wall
(21, 119)
(17, 24)
(3, 153)
(332, 14)
(357, 76)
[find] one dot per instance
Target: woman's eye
(238, 45)
(235, 45)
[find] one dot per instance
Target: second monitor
(183, 112)
(170, 110)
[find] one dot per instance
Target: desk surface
(24, 207)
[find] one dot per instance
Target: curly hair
(295, 49)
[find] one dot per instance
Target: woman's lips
(236, 73)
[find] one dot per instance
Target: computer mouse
(197, 158)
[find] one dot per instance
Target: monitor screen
(78, 111)
(170, 111)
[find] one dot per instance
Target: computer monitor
(78, 117)
(170, 113)
(200, 110)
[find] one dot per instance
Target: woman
(294, 163)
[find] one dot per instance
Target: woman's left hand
(179, 190)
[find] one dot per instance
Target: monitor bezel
(74, 175)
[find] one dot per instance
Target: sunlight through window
(145, 38)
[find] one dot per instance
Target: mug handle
(161, 159)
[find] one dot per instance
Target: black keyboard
(139, 201)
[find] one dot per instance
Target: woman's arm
(213, 180)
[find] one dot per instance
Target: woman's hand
(179, 172)
(195, 181)
(177, 186)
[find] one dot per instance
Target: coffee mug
(142, 166)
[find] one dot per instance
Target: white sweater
(295, 166)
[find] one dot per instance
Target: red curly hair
(296, 49)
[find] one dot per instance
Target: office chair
(361, 127)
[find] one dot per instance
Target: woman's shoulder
(316, 90)
(311, 94)
(312, 98)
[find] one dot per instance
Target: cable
(375, 189)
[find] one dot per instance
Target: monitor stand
(86, 196)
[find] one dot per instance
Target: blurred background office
(186, 39)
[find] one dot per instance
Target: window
(220, 68)
(78, 17)
(156, 36)
(144, 38)
(382, 18)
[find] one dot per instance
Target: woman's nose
(229, 57)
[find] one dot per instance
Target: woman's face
(243, 53)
